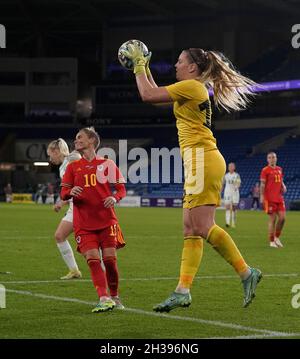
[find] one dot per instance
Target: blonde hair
(91, 133)
(61, 145)
(232, 91)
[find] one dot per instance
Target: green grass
(154, 243)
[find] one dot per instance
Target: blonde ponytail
(232, 91)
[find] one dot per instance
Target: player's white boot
(273, 245)
(73, 274)
(278, 242)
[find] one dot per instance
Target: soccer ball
(125, 61)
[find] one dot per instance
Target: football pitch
(39, 305)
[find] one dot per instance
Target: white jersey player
(58, 152)
(232, 183)
(73, 156)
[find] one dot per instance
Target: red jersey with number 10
(273, 177)
(96, 178)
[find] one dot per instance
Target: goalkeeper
(204, 165)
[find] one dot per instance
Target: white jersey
(232, 183)
(73, 156)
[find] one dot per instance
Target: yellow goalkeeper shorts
(204, 172)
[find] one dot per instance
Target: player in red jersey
(88, 181)
(272, 189)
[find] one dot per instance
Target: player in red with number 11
(88, 181)
(271, 197)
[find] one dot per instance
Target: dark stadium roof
(80, 28)
(75, 17)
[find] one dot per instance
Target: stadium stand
(248, 166)
(235, 145)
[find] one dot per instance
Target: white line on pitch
(160, 315)
(146, 279)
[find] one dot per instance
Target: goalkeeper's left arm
(148, 92)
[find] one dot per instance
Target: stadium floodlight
(41, 164)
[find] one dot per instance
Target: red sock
(112, 274)
(98, 277)
(271, 237)
(277, 234)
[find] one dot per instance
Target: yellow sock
(225, 246)
(190, 260)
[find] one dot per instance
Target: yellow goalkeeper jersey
(192, 110)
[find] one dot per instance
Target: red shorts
(274, 207)
(109, 237)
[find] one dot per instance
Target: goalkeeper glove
(136, 55)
